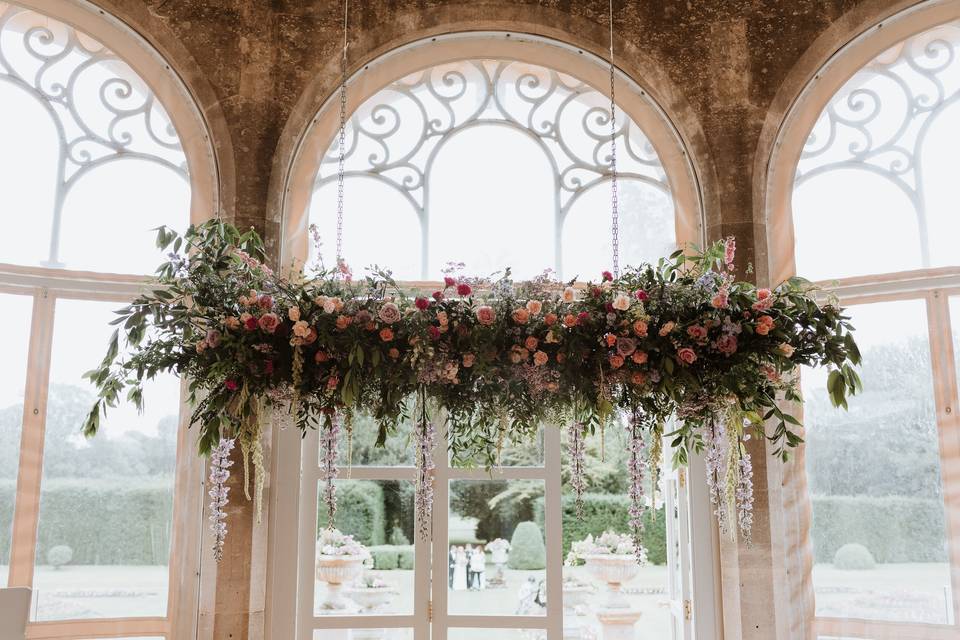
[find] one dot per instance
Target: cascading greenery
(679, 339)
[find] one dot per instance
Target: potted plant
(340, 561)
(612, 558)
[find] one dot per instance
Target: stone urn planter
(615, 570)
(575, 597)
(337, 571)
(371, 599)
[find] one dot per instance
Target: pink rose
(521, 316)
(626, 346)
(721, 300)
(687, 355)
(389, 313)
(213, 338)
(269, 322)
(265, 301)
(727, 344)
(486, 315)
(449, 282)
(697, 332)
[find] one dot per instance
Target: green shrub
(360, 511)
(893, 528)
(397, 537)
(385, 557)
(406, 557)
(59, 556)
(104, 521)
(853, 557)
(606, 512)
(526, 547)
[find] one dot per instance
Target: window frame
(46, 285)
(933, 285)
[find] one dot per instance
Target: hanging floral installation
(679, 346)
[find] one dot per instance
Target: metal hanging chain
(341, 142)
(614, 204)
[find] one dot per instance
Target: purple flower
(636, 466)
(577, 451)
(426, 435)
(220, 464)
(329, 440)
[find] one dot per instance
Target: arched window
(494, 152)
(92, 159)
(874, 204)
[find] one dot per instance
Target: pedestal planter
(615, 570)
(337, 571)
(371, 599)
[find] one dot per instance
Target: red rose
(641, 295)
(438, 295)
(596, 291)
(607, 276)
(422, 303)
(608, 307)
(464, 289)
(583, 317)
(448, 281)
(434, 332)
(231, 385)
(268, 367)
(250, 324)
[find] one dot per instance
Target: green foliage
(853, 557)
(527, 550)
(406, 557)
(385, 557)
(104, 521)
(360, 511)
(497, 505)
(59, 556)
(397, 537)
(894, 529)
(603, 512)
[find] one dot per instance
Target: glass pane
(491, 205)
(468, 633)
(361, 449)
(881, 156)
(81, 127)
(379, 514)
(363, 634)
(524, 452)
(106, 503)
(874, 476)
(606, 509)
(647, 228)
(497, 554)
(14, 343)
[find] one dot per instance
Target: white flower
(329, 305)
(569, 294)
(621, 302)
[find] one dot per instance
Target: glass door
(497, 547)
(388, 599)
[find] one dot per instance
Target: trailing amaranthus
(329, 444)
(577, 448)
(636, 466)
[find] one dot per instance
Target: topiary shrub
(360, 511)
(59, 555)
(385, 557)
(397, 537)
(853, 557)
(526, 548)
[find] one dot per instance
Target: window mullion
(26, 511)
(945, 394)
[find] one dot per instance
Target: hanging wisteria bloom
(745, 496)
(329, 442)
(426, 436)
(578, 480)
(636, 468)
(220, 464)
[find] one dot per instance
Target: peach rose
(764, 325)
(639, 357)
(518, 354)
(386, 334)
(640, 328)
(569, 294)
(616, 361)
(468, 360)
(343, 322)
(269, 322)
(293, 313)
(786, 349)
(531, 343)
(667, 328)
(687, 355)
(550, 319)
(621, 302)
(570, 320)
(231, 322)
(540, 358)
(534, 307)
(321, 356)
(301, 328)
(638, 378)
(394, 353)
(610, 339)
(520, 316)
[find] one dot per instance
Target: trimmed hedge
(104, 521)
(360, 511)
(605, 512)
(893, 528)
(389, 556)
